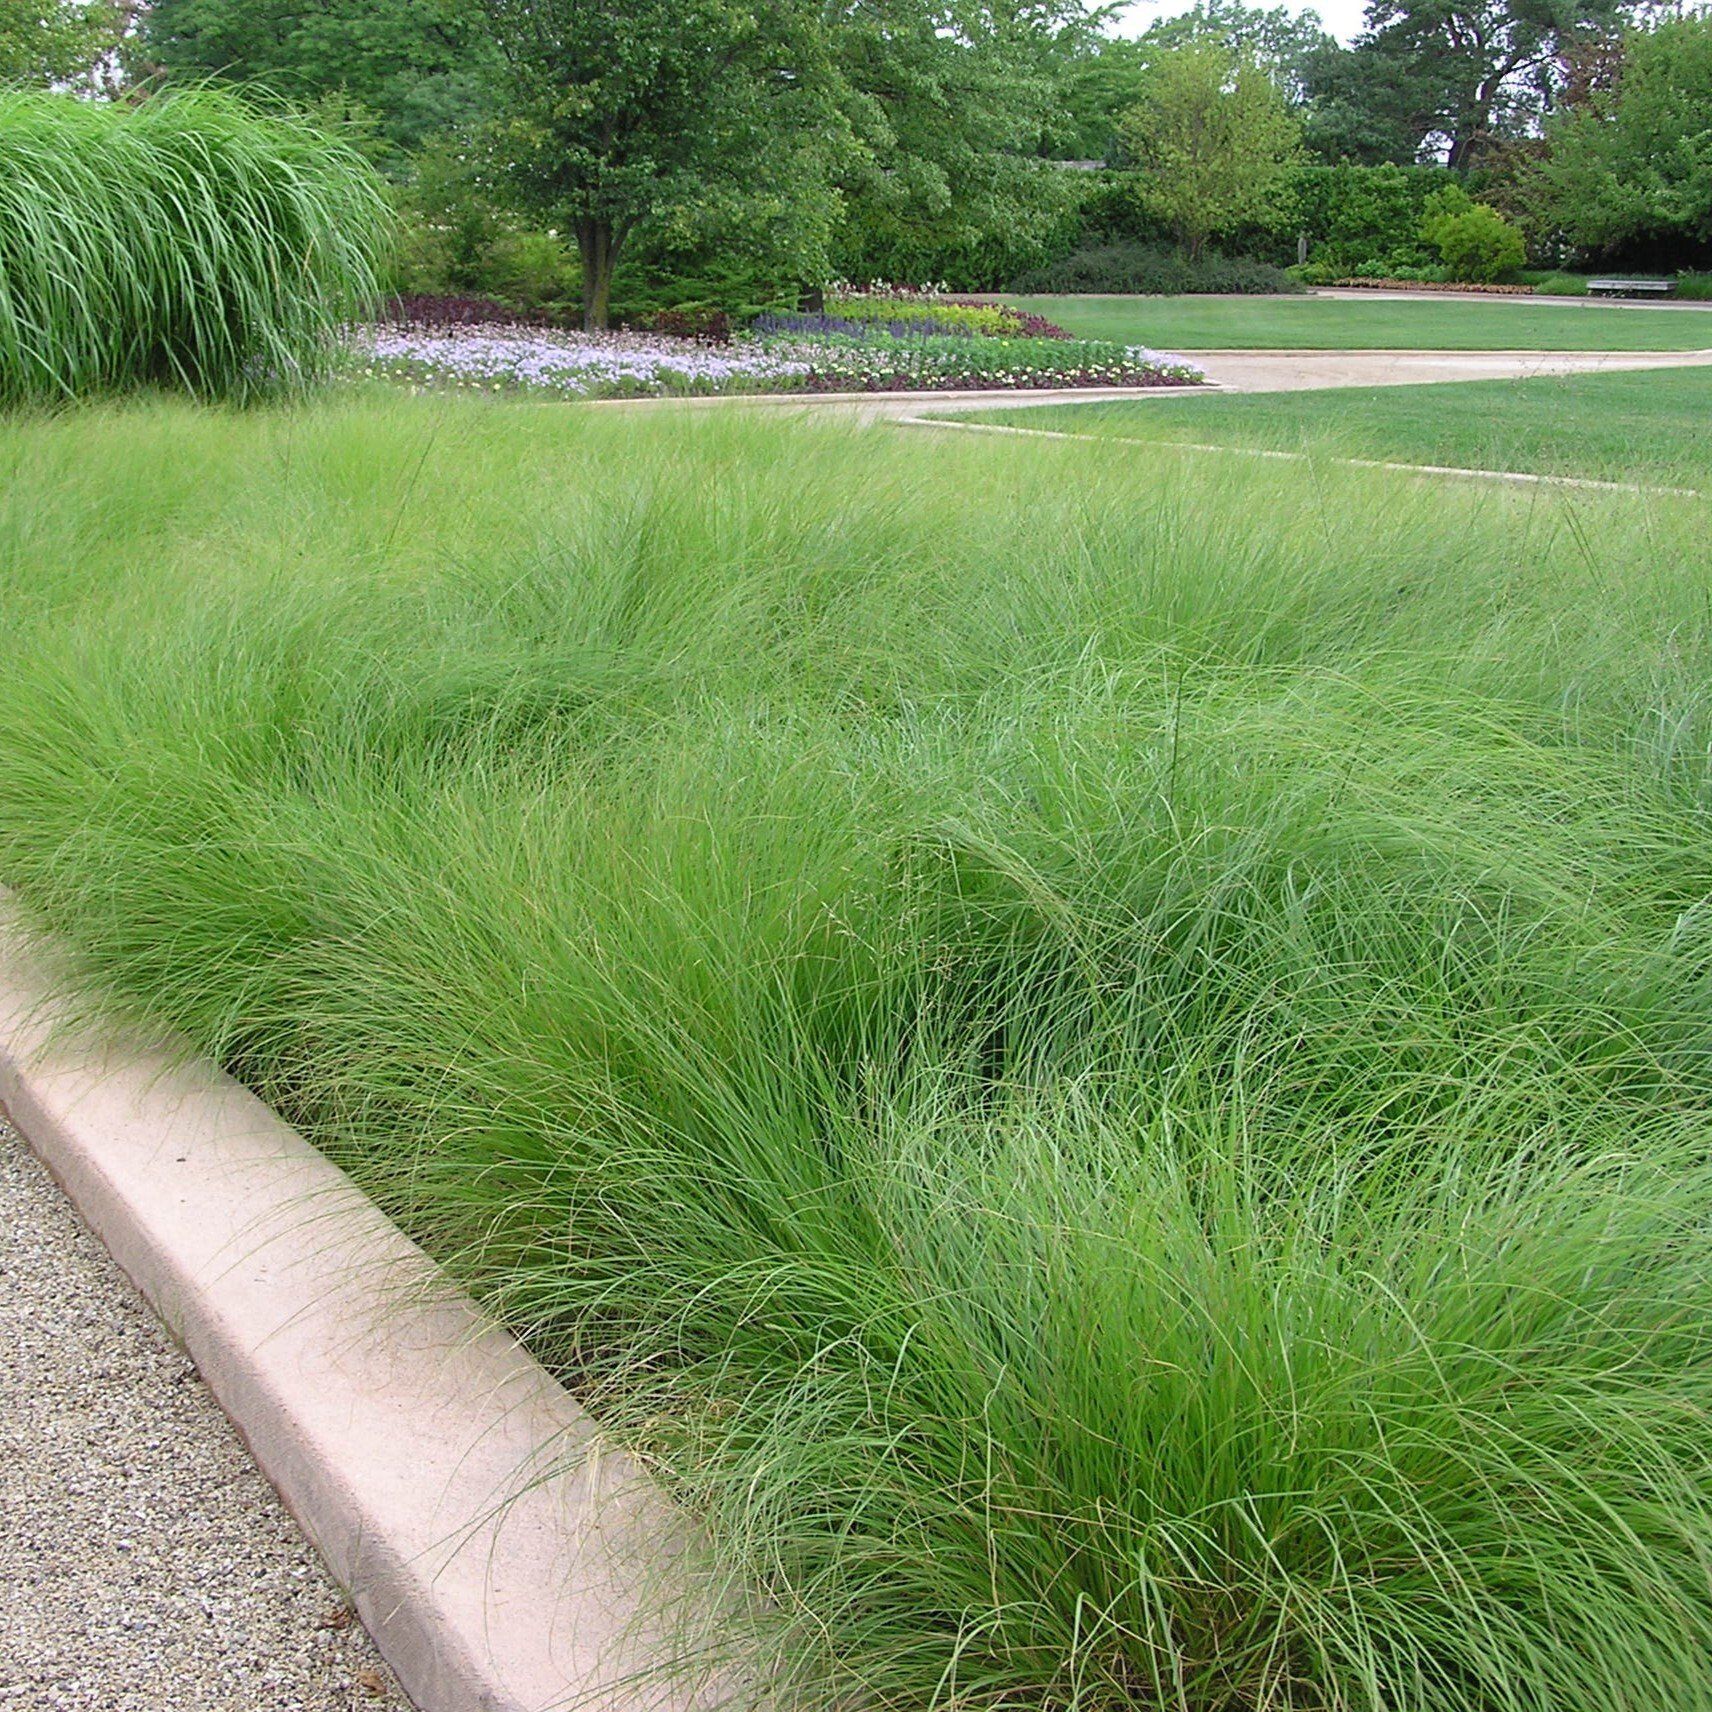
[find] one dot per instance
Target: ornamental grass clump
(1104, 1067)
(189, 242)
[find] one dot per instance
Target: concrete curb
(452, 1486)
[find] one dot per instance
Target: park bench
(1631, 288)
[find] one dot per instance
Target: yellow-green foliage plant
(189, 241)
(995, 320)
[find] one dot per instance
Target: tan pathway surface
(145, 1564)
(1297, 371)
(1305, 371)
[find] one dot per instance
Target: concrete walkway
(1298, 371)
(146, 1565)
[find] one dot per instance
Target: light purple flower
(571, 364)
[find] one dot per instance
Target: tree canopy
(917, 121)
(1449, 78)
(1632, 162)
(59, 42)
(1283, 44)
(616, 111)
(416, 68)
(1214, 141)
(1491, 64)
(950, 108)
(779, 140)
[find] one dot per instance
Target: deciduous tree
(619, 111)
(54, 41)
(1105, 74)
(1215, 144)
(417, 68)
(1282, 43)
(951, 105)
(1632, 161)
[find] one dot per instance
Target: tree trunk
(1472, 124)
(597, 242)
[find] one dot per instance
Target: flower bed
(838, 323)
(570, 365)
(786, 354)
(873, 361)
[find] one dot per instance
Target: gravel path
(145, 1564)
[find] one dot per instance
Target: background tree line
(646, 154)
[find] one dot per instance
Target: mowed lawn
(1653, 426)
(1391, 324)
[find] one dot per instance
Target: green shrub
(1111, 212)
(1324, 273)
(1481, 245)
(529, 269)
(1365, 220)
(1474, 240)
(455, 241)
(532, 268)
(1154, 269)
(974, 246)
(422, 260)
(653, 281)
(187, 241)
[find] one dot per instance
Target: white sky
(1342, 17)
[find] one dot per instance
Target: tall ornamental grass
(1105, 1070)
(188, 241)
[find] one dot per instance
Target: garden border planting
(881, 345)
(805, 926)
(888, 403)
(455, 1490)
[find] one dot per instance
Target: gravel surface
(145, 1564)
